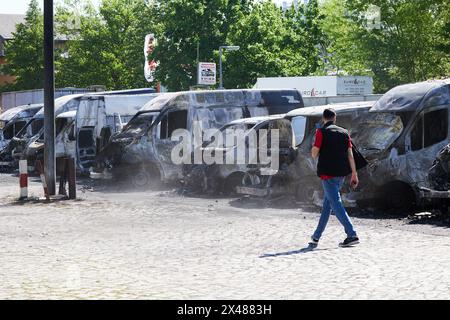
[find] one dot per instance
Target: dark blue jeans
(332, 201)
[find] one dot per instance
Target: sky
(20, 6)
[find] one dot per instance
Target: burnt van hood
(409, 97)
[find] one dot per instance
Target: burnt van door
(70, 140)
(90, 120)
(428, 135)
(164, 145)
(86, 147)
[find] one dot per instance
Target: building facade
(8, 24)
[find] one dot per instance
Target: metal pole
(198, 61)
(220, 68)
(49, 99)
(72, 178)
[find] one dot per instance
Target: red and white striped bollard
(23, 172)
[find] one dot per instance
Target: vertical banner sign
(150, 65)
(207, 73)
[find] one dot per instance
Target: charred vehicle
(64, 140)
(297, 174)
(83, 132)
(224, 177)
(143, 149)
(408, 126)
(12, 121)
(438, 191)
(32, 130)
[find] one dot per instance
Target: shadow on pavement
(284, 202)
(293, 252)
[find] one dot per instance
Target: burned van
(408, 126)
(297, 175)
(31, 132)
(236, 154)
(438, 190)
(13, 120)
(64, 140)
(144, 147)
(83, 132)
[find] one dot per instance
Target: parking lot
(118, 243)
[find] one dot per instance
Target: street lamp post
(226, 48)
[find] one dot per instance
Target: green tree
(342, 49)
(24, 53)
(308, 38)
(108, 47)
(184, 26)
(263, 38)
(274, 43)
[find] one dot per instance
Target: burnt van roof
(256, 120)
(25, 111)
(235, 97)
(338, 107)
(409, 97)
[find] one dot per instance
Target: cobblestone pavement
(157, 245)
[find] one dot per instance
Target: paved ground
(157, 244)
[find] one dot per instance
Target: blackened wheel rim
(399, 197)
(141, 179)
(229, 187)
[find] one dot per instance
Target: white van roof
(59, 104)
(113, 103)
(338, 107)
(256, 120)
(232, 97)
(68, 115)
(127, 104)
(20, 111)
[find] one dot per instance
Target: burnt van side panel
(428, 135)
(406, 163)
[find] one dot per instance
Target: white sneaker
(313, 243)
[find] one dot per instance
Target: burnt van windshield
(230, 130)
(376, 131)
(8, 132)
(31, 128)
(36, 126)
(140, 124)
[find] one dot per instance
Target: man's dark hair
(329, 114)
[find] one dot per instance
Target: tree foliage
(342, 51)
(105, 46)
(186, 28)
(274, 43)
(409, 45)
(108, 48)
(24, 57)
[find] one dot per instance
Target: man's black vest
(333, 155)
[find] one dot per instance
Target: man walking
(333, 146)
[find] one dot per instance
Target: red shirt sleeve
(350, 142)
(319, 138)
